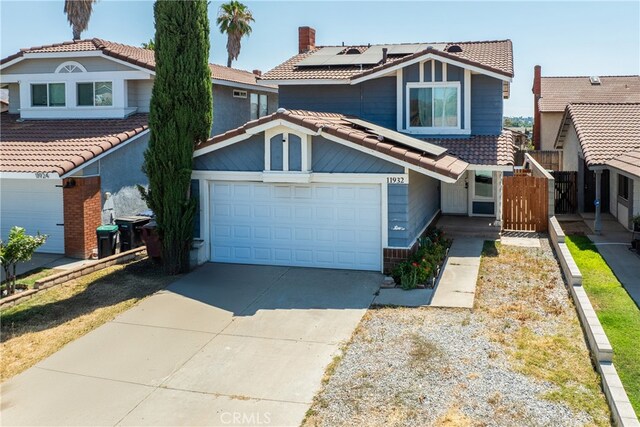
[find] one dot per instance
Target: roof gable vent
(352, 51)
(595, 80)
(454, 49)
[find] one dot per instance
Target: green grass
(27, 280)
(619, 315)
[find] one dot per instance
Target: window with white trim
(258, 105)
(48, 95)
(483, 184)
(434, 105)
(95, 94)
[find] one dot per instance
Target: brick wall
(306, 39)
(393, 257)
(82, 215)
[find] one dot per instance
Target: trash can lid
(107, 227)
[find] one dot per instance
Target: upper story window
(433, 105)
(258, 106)
(98, 94)
(48, 95)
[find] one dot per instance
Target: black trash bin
(131, 231)
(108, 240)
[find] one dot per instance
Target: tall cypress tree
(180, 117)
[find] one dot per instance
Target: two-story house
(369, 145)
(73, 138)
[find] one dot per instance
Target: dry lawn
(38, 327)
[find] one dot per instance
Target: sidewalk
(457, 287)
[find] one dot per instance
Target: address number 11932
(396, 180)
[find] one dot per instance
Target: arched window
(71, 67)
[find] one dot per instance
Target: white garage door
(312, 225)
(36, 205)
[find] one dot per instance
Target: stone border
(599, 345)
(74, 273)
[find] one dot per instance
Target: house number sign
(42, 175)
(396, 180)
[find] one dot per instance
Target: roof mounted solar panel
(427, 147)
(321, 56)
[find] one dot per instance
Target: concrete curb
(599, 345)
(62, 277)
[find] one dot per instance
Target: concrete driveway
(225, 345)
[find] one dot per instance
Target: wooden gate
(525, 203)
(566, 192)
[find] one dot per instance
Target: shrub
(423, 264)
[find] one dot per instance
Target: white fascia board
(75, 77)
(427, 57)
(29, 175)
(129, 64)
(106, 153)
(490, 168)
(214, 147)
(621, 172)
(281, 122)
(388, 158)
(244, 86)
(305, 82)
(297, 177)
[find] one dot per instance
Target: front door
(454, 197)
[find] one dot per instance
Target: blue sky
(566, 38)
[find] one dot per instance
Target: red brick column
(537, 94)
(82, 215)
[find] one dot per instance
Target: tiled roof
(481, 150)
(628, 162)
(336, 125)
(605, 131)
(558, 92)
(496, 56)
(59, 146)
(139, 56)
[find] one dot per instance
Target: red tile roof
(605, 131)
(139, 56)
(336, 125)
(59, 146)
(558, 92)
(496, 56)
(481, 149)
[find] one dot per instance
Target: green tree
(19, 248)
(234, 19)
(180, 117)
(78, 14)
(151, 45)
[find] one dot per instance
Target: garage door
(35, 205)
(315, 225)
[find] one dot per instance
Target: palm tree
(150, 45)
(78, 14)
(234, 19)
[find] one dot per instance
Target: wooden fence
(566, 192)
(525, 203)
(548, 159)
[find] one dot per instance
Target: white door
(308, 225)
(36, 205)
(454, 197)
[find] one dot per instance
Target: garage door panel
(35, 205)
(313, 225)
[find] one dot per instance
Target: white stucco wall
(549, 125)
(571, 151)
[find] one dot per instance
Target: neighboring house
(553, 94)
(371, 143)
(602, 143)
(520, 137)
(72, 142)
(4, 100)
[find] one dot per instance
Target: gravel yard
(519, 358)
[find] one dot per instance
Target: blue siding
(230, 113)
(331, 157)
(295, 153)
(373, 100)
(486, 105)
(398, 214)
(244, 156)
(276, 153)
(438, 69)
(424, 202)
(427, 71)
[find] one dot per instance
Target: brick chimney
(306, 39)
(537, 92)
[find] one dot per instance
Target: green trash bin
(108, 240)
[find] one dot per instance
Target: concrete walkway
(457, 287)
(225, 345)
(624, 263)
